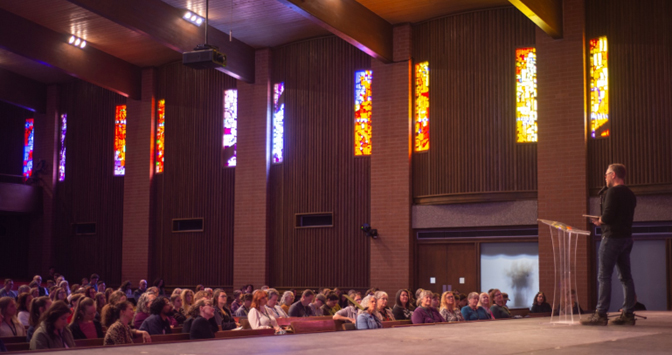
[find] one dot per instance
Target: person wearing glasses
(450, 310)
(618, 212)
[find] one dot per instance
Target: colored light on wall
(61, 153)
(278, 122)
(120, 140)
(28, 137)
(526, 95)
(160, 137)
(230, 126)
(363, 80)
(421, 126)
(599, 88)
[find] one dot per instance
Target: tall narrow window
(61, 154)
(278, 121)
(363, 80)
(120, 140)
(28, 137)
(526, 95)
(422, 106)
(230, 126)
(160, 130)
(599, 88)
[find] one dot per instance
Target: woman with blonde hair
(449, 308)
(286, 301)
(187, 299)
(83, 325)
(472, 311)
(484, 301)
(258, 316)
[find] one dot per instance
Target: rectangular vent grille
(183, 225)
(479, 233)
(314, 220)
(84, 228)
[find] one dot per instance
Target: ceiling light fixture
(193, 18)
(77, 42)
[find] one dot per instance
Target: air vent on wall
(314, 220)
(479, 233)
(84, 228)
(187, 225)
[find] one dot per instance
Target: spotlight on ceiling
(77, 42)
(193, 18)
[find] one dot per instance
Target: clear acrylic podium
(564, 239)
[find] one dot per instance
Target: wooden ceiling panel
(30, 69)
(64, 17)
(259, 23)
(401, 11)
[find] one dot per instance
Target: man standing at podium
(616, 223)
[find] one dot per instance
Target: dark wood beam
(351, 21)
(23, 92)
(164, 24)
(51, 48)
(547, 14)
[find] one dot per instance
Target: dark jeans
(615, 251)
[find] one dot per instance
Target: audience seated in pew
(177, 316)
(349, 313)
(402, 306)
(425, 313)
(120, 332)
(272, 305)
(301, 308)
(83, 325)
(539, 305)
(366, 318)
(37, 308)
(142, 309)
(201, 327)
(244, 309)
(498, 309)
(286, 301)
(317, 304)
(449, 308)
(158, 322)
(6, 290)
(22, 305)
(223, 316)
(330, 306)
(10, 326)
(142, 287)
(383, 312)
(259, 317)
(53, 333)
(484, 302)
(236, 301)
(472, 311)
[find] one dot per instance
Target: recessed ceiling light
(83, 44)
(72, 39)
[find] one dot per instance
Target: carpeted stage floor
(521, 336)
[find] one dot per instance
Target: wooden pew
(288, 321)
(393, 323)
(316, 326)
(539, 315)
(178, 329)
(243, 333)
(90, 342)
(162, 338)
(18, 346)
(11, 340)
(415, 325)
(519, 311)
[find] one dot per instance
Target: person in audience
(142, 309)
(301, 308)
(199, 295)
(265, 288)
(126, 289)
(23, 303)
(100, 303)
(93, 281)
(472, 311)
(120, 332)
(153, 290)
(142, 287)
(236, 300)
(349, 313)
(199, 287)
(7, 289)
(401, 308)
(484, 301)
(74, 299)
(383, 312)
(286, 301)
(201, 327)
(83, 325)
(102, 287)
(50, 284)
(505, 296)
(42, 291)
(35, 292)
(208, 292)
(317, 304)
(177, 291)
(342, 300)
(187, 299)
(158, 283)
(37, 307)
(272, 304)
(3, 348)
(498, 309)
(10, 327)
(177, 316)
(248, 289)
(576, 308)
(64, 285)
(449, 308)
(329, 308)
(90, 292)
(366, 318)
(58, 294)
(244, 309)
(223, 315)
(158, 322)
(425, 313)
(258, 316)
(53, 332)
(85, 282)
(436, 300)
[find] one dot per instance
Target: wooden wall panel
(194, 183)
(12, 123)
(472, 104)
(640, 52)
(90, 192)
(320, 172)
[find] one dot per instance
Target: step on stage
(530, 335)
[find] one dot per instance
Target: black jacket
(78, 334)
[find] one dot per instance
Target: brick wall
(252, 166)
(137, 182)
(391, 258)
(562, 152)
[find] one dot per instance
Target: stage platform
(518, 336)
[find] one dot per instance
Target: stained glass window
(61, 154)
(599, 88)
(230, 126)
(363, 80)
(120, 140)
(160, 131)
(526, 95)
(278, 121)
(421, 127)
(28, 149)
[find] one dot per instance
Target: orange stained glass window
(599, 88)
(120, 140)
(526, 95)
(160, 135)
(363, 80)
(421, 126)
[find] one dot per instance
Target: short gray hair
(286, 296)
(380, 294)
(426, 293)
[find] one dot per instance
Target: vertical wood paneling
(472, 104)
(320, 172)
(194, 183)
(90, 192)
(640, 52)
